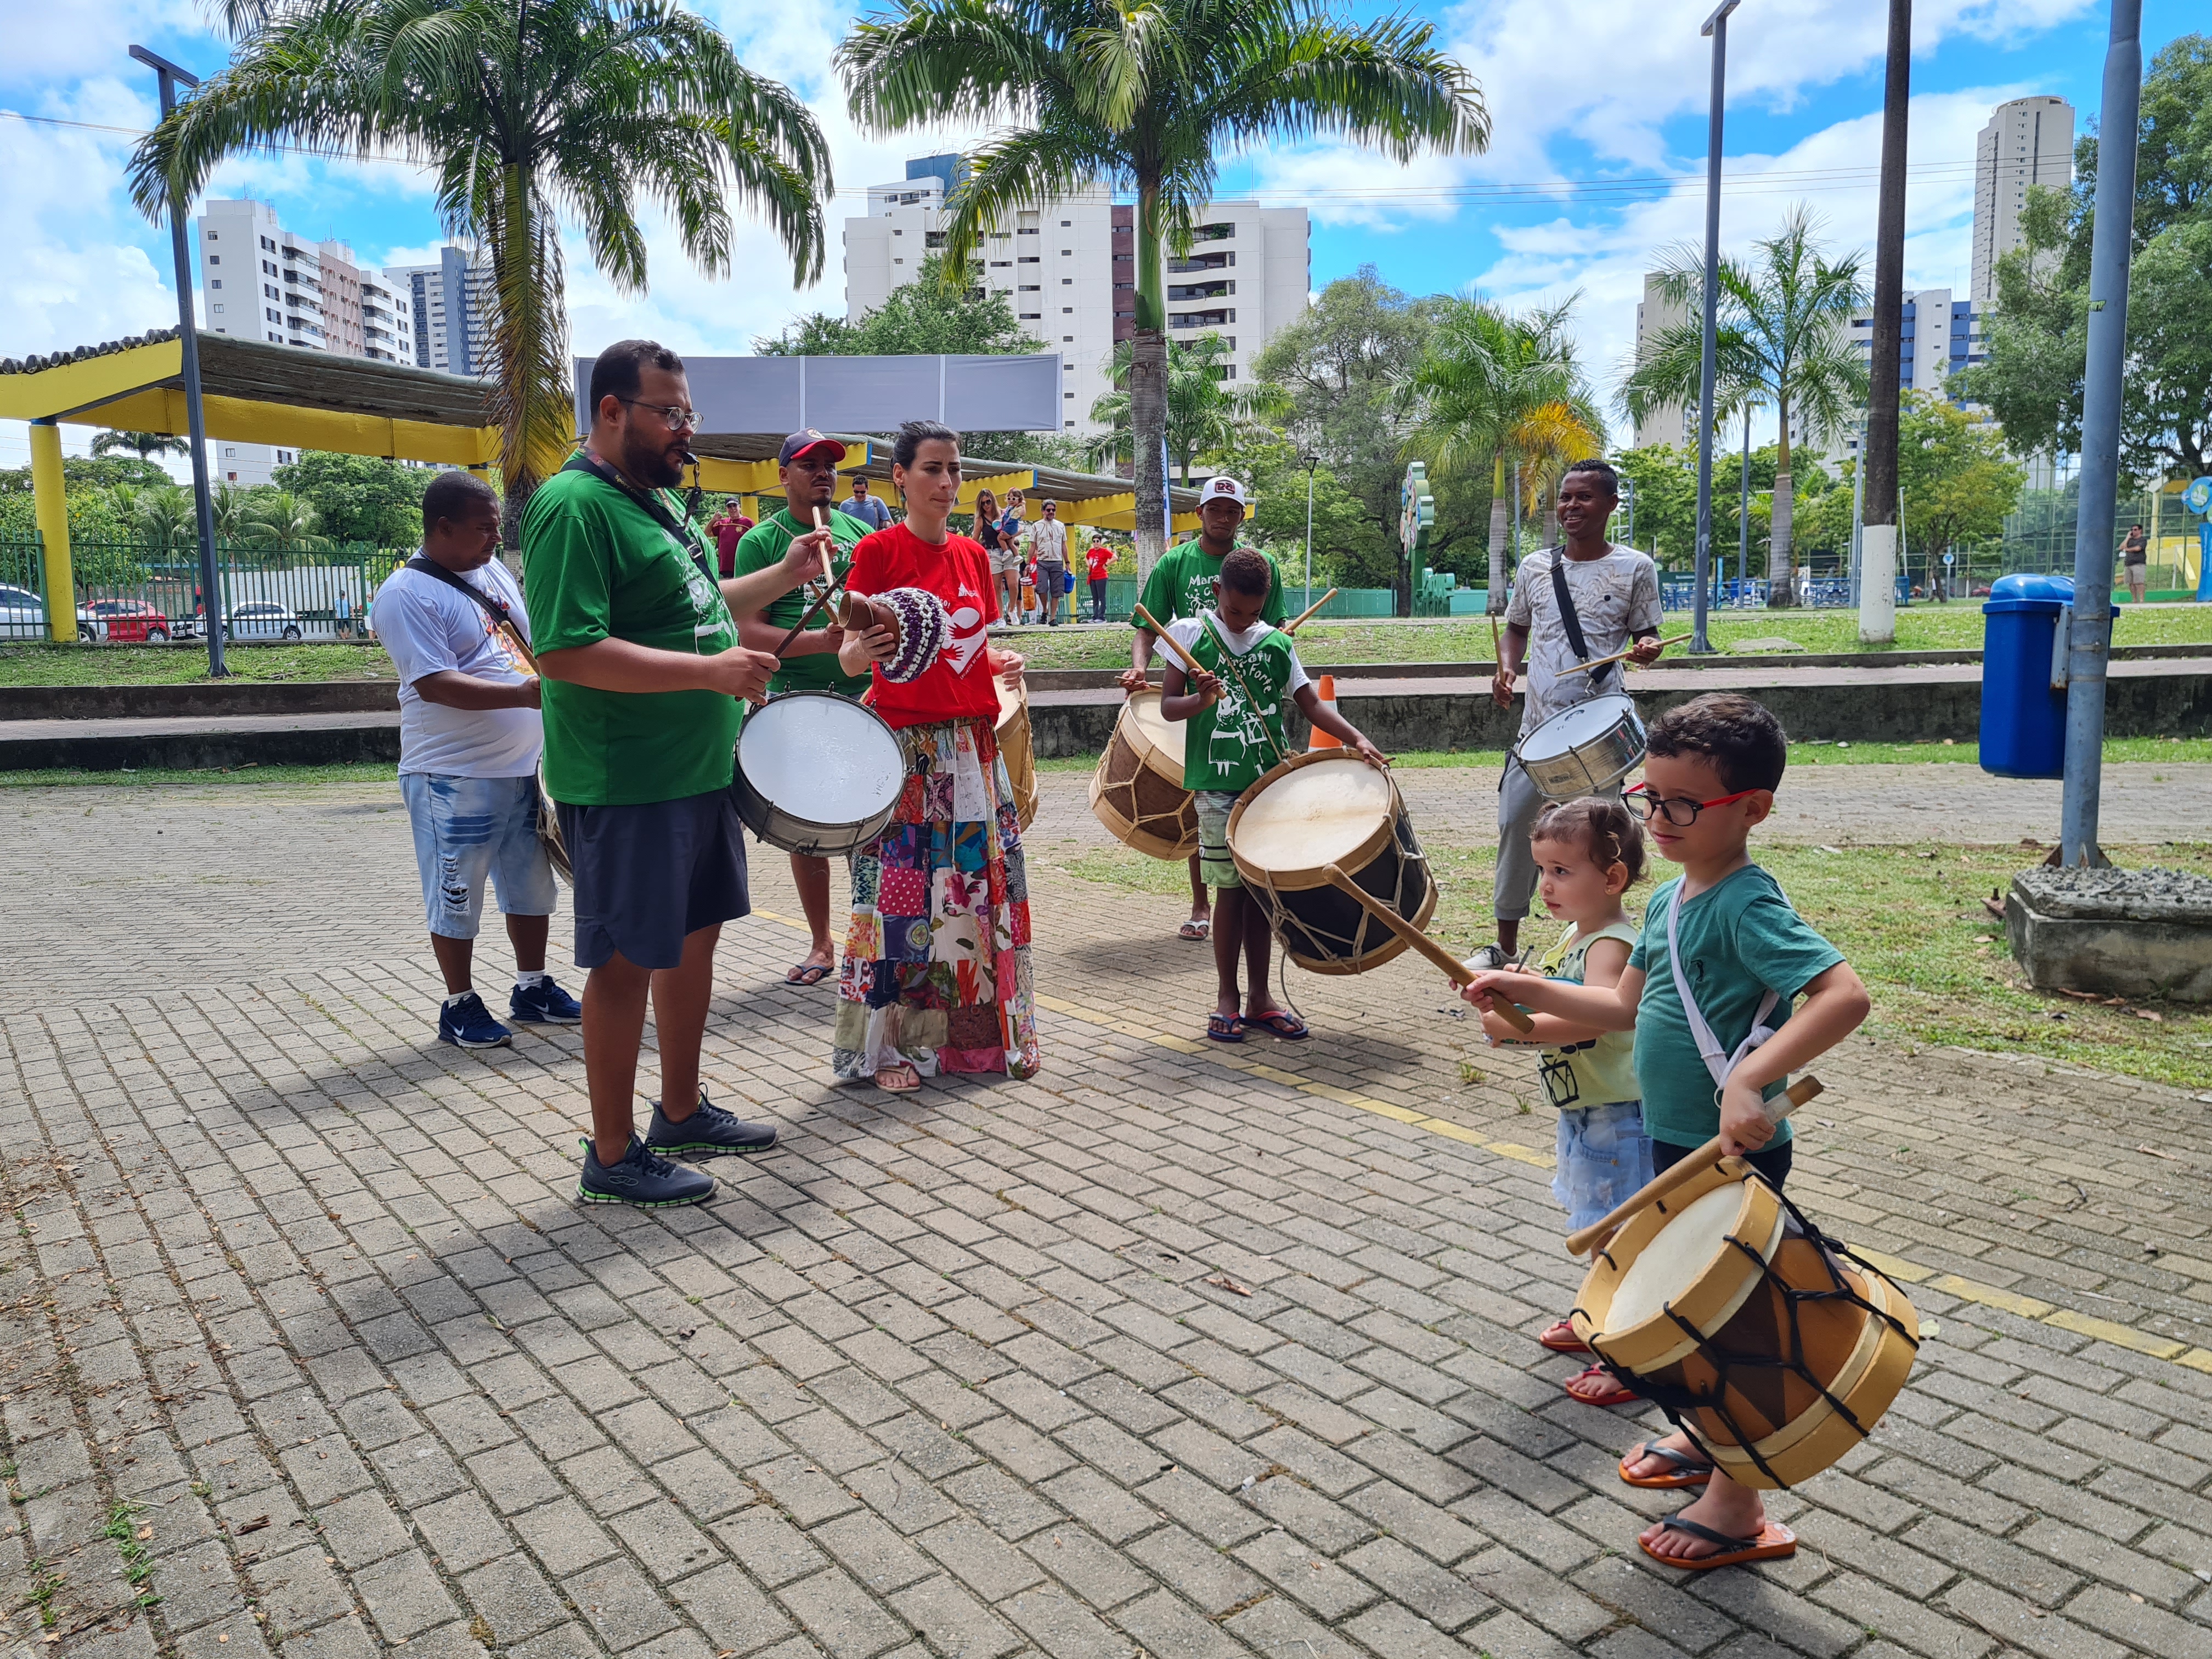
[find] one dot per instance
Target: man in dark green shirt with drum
(643, 681)
(807, 464)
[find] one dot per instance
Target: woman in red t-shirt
(936, 977)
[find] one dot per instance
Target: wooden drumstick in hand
(1456, 970)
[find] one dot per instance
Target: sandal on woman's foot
(1276, 1023)
(1773, 1542)
(1560, 1337)
(1611, 1394)
(1224, 1028)
(1689, 1468)
(807, 972)
(900, 1079)
(1196, 928)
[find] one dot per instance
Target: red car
(131, 622)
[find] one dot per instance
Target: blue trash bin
(2023, 714)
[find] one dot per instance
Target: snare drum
(1137, 792)
(1775, 1352)
(818, 773)
(1584, 750)
(1319, 809)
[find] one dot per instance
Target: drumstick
(1678, 1174)
(1494, 646)
(1188, 662)
(1291, 627)
(1585, 667)
(1454, 970)
(829, 581)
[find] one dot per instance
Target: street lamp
(188, 340)
(1743, 512)
(1716, 29)
(1311, 463)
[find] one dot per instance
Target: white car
(23, 616)
(262, 619)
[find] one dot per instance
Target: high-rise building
(446, 321)
(1675, 423)
(2029, 141)
(260, 282)
(1939, 337)
(1069, 271)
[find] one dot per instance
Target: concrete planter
(2100, 931)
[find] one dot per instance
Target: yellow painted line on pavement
(1908, 1273)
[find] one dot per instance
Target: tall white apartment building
(1675, 423)
(260, 282)
(445, 314)
(1069, 269)
(2029, 141)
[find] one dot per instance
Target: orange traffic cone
(1325, 689)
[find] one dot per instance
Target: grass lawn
(32, 664)
(1919, 628)
(1910, 921)
(2178, 750)
(356, 772)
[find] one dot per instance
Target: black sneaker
(468, 1023)
(544, 1003)
(650, 1182)
(709, 1131)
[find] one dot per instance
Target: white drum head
(822, 759)
(1164, 735)
(1316, 815)
(1571, 728)
(1675, 1257)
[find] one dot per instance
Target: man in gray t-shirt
(1615, 591)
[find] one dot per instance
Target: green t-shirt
(1181, 585)
(1230, 744)
(596, 565)
(765, 545)
(1739, 939)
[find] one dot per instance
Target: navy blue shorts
(1771, 1161)
(648, 877)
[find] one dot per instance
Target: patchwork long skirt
(936, 957)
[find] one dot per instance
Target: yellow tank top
(1600, 1071)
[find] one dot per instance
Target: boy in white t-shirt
(470, 738)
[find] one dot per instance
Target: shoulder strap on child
(1229, 666)
(1717, 1062)
(1569, 618)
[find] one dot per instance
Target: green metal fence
(141, 592)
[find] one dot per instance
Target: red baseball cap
(806, 442)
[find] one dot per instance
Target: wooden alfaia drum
(1015, 749)
(1324, 808)
(1137, 792)
(1723, 1306)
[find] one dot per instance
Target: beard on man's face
(657, 459)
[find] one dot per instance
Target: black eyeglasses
(1679, 813)
(679, 420)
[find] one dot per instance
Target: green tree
(1144, 98)
(928, 316)
(1205, 415)
(1665, 477)
(1953, 473)
(357, 498)
(524, 112)
(1494, 391)
(145, 445)
(1349, 550)
(1781, 337)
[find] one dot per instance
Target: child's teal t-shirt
(1739, 939)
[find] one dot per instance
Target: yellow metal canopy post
(52, 503)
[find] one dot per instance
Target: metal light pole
(1716, 29)
(1628, 500)
(1311, 461)
(188, 339)
(2090, 631)
(1743, 515)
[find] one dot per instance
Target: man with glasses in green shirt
(644, 677)
(807, 464)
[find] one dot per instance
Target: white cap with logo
(1221, 487)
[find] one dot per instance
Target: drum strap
(1571, 619)
(1717, 1061)
(1229, 662)
(502, 618)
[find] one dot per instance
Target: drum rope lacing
(1677, 1402)
(1353, 946)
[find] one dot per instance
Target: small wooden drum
(818, 773)
(1723, 1306)
(549, 832)
(1584, 750)
(1015, 749)
(1324, 808)
(1137, 792)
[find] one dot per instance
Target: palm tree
(234, 507)
(1203, 414)
(281, 518)
(164, 514)
(1782, 338)
(1496, 389)
(145, 445)
(526, 113)
(1138, 96)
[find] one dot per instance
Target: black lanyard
(584, 461)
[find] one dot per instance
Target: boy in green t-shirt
(1235, 707)
(1182, 585)
(1710, 1058)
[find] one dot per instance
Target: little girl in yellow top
(1588, 853)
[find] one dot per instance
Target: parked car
(132, 621)
(23, 616)
(262, 619)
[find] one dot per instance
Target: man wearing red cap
(807, 464)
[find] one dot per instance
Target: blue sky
(1605, 90)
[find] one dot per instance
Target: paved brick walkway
(1197, 1355)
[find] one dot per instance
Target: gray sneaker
(1489, 958)
(640, 1178)
(709, 1131)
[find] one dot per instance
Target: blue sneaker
(468, 1023)
(649, 1181)
(709, 1131)
(544, 1003)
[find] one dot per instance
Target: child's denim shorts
(1604, 1160)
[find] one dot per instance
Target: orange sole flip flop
(1774, 1542)
(1690, 1470)
(1560, 1337)
(1615, 1394)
